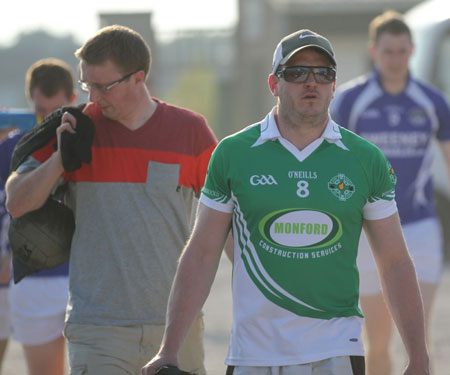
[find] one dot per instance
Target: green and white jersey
(297, 218)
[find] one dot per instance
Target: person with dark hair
(48, 86)
(402, 116)
(296, 207)
(38, 303)
(133, 205)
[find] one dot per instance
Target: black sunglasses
(300, 74)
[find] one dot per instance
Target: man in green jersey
(296, 189)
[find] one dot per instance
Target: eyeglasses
(85, 86)
(300, 74)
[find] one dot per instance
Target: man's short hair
(121, 45)
(390, 22)
(49, 76)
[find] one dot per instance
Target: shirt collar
(270, 131)
(377, 77)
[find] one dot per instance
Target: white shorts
(424, 240)
(5, 323)
(38, 306)
(345, 365)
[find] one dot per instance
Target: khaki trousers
(112, 350)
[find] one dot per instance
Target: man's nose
(310, 79)
(93, 95)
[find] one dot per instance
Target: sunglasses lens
(300, 74)
(296, 74)
(324, 75)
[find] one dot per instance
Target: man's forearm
(401, 291)
(190, 290)
(29, 191)
(192, 283)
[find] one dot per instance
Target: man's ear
(73, 98)
(372, 50)
(273, 84)
(139, 76)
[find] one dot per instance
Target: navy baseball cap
(297, 41)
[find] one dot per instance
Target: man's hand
(415, 369)
(171, 370)
(68, 123)
(159, 360)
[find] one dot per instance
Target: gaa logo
(262, 180)
(341, 187)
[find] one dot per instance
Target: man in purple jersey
(38, 302)
(8, 138)
(402, 116)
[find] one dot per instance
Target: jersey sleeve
(381, 202)
(342, 105)
(6, 151)
(336, 110)
(216, 193)
(443, 113)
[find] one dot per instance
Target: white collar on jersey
(270, 132)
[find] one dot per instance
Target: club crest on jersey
(392, 175)
(417, 117)
(341, 187)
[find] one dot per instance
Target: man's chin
(107, 112)
(397, 76)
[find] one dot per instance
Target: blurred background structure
(222, 72)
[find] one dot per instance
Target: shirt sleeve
(216, 193)
(443, 113)
(28, 165)
(202, 166)
(195, 163)
(338, 111)
(381, 202)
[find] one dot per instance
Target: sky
(79, 17)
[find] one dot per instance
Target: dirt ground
(218, 321)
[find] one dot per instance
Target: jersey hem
(298, 360)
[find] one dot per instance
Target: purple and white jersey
(403, 126)
(6, 149)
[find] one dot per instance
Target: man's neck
(140, 114)
(394, 87)
(301, 133)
